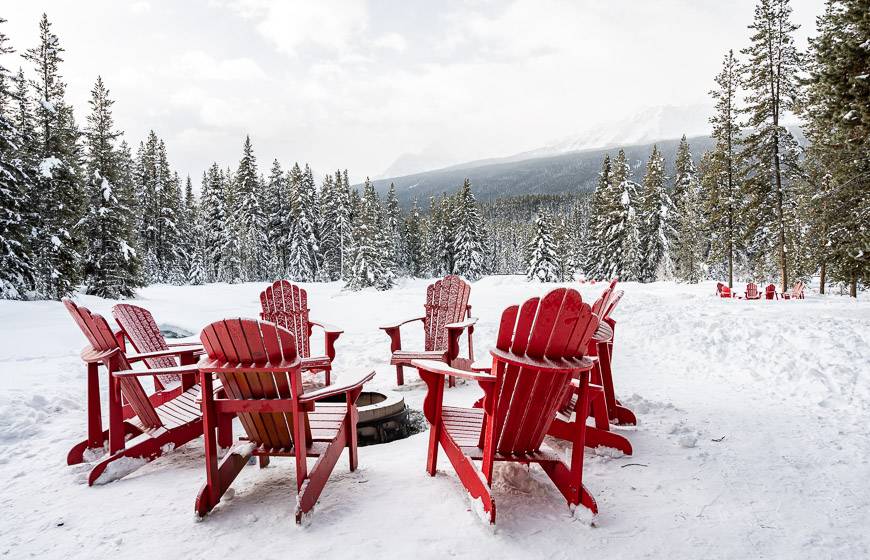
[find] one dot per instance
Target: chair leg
(327, 373)
(432, 457)
(400, 375)
(351, 420)
(263, 461)
(208, 496)
(225, 431)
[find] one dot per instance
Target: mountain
(571, 172)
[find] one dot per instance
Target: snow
(752, 440)
(46, 166)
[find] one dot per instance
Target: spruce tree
(109, 261)
(722, 177)
(17, 178)
(213, 223)
(415, 236)
(370, 263)
(468, 242)
(688, 245)
(543, 259)
(59, 188)
(279, 219)
(251, 224)
(656, 214)
(770, 152)
(837, 111)
(395, 240)
(596, 233)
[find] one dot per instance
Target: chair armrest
(482, 365)
(91, 356)
(327, 328)
(397, 325)
(441, 368)
(180, 370)
(461, 324)
(543, 364)
(178, 350)
(332, 390)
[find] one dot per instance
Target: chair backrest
(99, 334)
(798, 290)
(770, 291)
(555, 327)
(142, 331)
(751, 290)
(238, 349)
(605, 304)
(446, 302)
(286, 305)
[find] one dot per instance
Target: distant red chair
(448, 314)
(258, 365)
(770, 292)
(797, 292)
(286, 305)
(539, 349)
(752, 291)
(723, 291)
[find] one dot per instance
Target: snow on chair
(258, 365)
(447, 315)
(163, 421)
(797, 292)
(286, 305)
(539, 349)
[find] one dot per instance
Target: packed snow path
(752, 442)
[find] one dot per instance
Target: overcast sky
(356, 84)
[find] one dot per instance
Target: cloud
(202, 65)
(332, 25)
(391, 41)
(140, 7)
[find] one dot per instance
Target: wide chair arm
(454, 330)
(395, 334)
(440, 368)
(179, 370)
(337, 389)
(330, 335)
(174, 351)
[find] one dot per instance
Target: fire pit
(383, 417)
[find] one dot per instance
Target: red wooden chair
(159, 423)
(770, 292)
(723, 291)
(259, 367)
(797, 292)
(603, 405)
(447, 315)
(752, 291)
(140, 329)
(539, 350)
(286, 305)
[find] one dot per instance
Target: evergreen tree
(543, 259)
(655, 223)
(231, 248)
(395, 241)
(251, 223)
(301, 265)
(16, 183)
(371, 265)
(837, 110)
(468, 243)
(770, 152)
(722, 177)
(279, 218)
(109, 261)
(414, 234)
(601, 205)
(213, 223)
(688, 245)
(59, 189)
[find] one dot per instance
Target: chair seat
(316, 362)
(403, 357)
(183, 409)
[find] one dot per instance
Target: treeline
(81, 208)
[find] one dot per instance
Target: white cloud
(140, 7)
(391, 41)
(202, 65)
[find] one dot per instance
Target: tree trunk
(823, 273)
(853, 285)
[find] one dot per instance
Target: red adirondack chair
(165, 420)
(447, 315)
(723, 291)
(752, 291)
(140, 329)
(770, 292)
(797, 292)
(286, 305)
(258, 364)
(603, 405)
(539, 349)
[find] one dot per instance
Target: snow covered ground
(752, 442)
